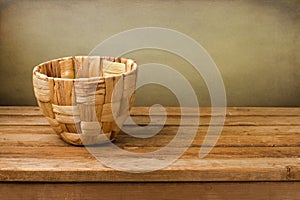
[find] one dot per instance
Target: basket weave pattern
(75, 95)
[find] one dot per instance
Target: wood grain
(174, 191)
(75, 170)
(172, 120)
(229, 138)
(191, 153)
(256, 144)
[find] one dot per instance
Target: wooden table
(256, 157)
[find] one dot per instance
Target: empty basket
(85, 98)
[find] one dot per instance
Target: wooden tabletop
(257, 144)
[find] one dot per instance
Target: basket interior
(86, 67)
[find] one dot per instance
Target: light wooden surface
(258, 153)
(257, 144)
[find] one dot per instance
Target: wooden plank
(242, 136)
(168, 130)
(229, 121)
(255, 145)
(171, 120)
(263, 111)
(132, 191)
(31, 140)
(227, 130)
(74, 170)
(77, 153)
(229, 138)
(42, 129)
(223, 141)
(20, 110)
(227, 152)
(174, 111)
(35, 120)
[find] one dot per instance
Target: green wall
(255, 44)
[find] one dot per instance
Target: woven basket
(75, 95)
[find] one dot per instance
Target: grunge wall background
(255, 44)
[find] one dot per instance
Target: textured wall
(255, 44)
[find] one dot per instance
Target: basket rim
(95, 78)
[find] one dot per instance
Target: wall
(255, 44)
